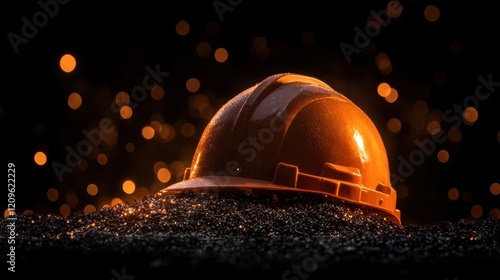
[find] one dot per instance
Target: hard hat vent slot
(350, 192)
(187, 172)
(286, 175)
(383, 189)
(341, 173)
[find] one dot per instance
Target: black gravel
(235, 235)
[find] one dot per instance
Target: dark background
(113, 42)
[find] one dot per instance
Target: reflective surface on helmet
(330, 131)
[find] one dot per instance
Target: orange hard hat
(292, 132)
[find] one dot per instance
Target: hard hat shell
(293, 132)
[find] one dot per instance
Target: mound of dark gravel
(236, 235)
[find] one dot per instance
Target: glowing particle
(52, 194)
(394, 8)
(128, 187)
(156, 125)
(453, 194)
(193, 85)
(167, 132)
(420, 108)
(393, 96)
(27, 212)
(177, 169)
(443, 156)
(157, 92)
(394, 125)
(383, 63)
(476, 211)
(67, 63)
(89, 208)
(92, 189)
(130, 147)
(8, 212)
(102, 159)
(83, 165)
(203, 49)
(122, 98)
(470, 115)
(259, 41)
(431, 13)
(126, 112)
(148, 132)
(182, 28)
(141, 192)
(433, 127)
(221, 55)
(116, 201)
(65, 210)
(187, 129)
(495, 188)
(163, 175)
(74, 100)
(495, 213)
(40, 158)
(384, 89)
(259, 48)
(158, 165)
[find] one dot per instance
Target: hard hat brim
(214, 183)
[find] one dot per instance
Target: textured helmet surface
(294, 132)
